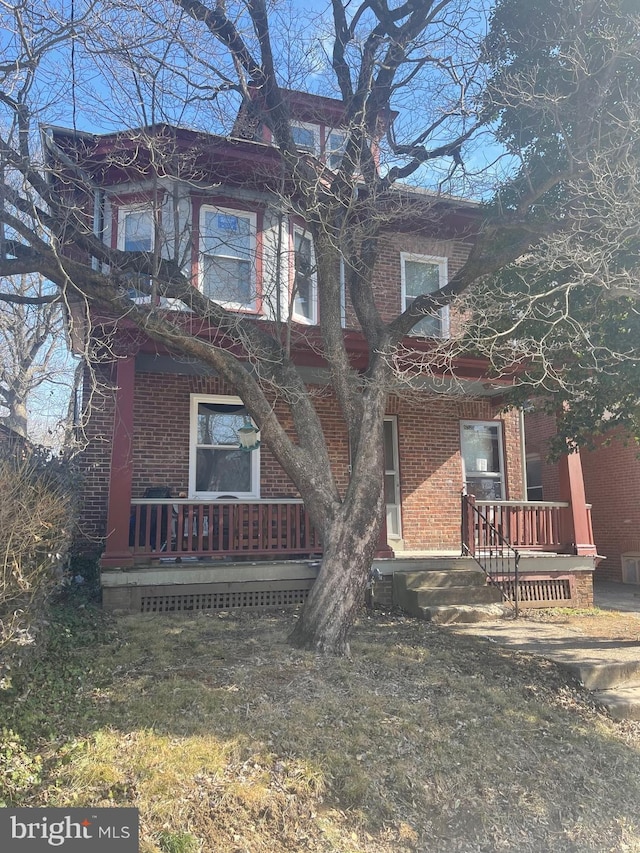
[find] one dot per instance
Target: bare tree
(425, 60)
(31, 340)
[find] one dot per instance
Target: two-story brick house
(168, 491)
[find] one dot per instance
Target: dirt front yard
(230, 741)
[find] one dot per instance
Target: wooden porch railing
(530, 525)
(182, 528)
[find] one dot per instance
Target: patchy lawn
(594, 622)
(228, 740)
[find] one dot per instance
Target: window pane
(304, 138)
(484, 489)
(335, 149)
(227, 280)
(138, 231)
(430, 327)
(227, 234)
(421, 277)
(389, 455)
(389, 488)
(216, 427)
(480, 449)
(303, 301)
(223, 471)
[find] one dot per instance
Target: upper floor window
(425, 274)
(135, 234)
(136, 229)
(218, 467)
(304, 289)
(306, 137)
(334, 148)
(228, 249)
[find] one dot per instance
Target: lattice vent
(223, 600)
(540, 590)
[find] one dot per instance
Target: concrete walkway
(609, 668)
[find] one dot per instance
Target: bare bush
(36, 514)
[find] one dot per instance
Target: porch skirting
(546, 581)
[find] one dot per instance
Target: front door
(482, 459)
(392, 479)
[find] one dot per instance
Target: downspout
(523, 454)
(98, 223)
(279, 271)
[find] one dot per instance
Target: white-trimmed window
(135, 234)
(306, 137)
(482, 459)
(305, 291)
(424, 274)
(334, 148)
(228, 257)
(218, 468)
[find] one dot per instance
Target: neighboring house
(164, 479)
(611, 473)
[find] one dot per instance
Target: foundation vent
(542, 592)
(245, 599)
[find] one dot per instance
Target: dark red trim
(117, 552)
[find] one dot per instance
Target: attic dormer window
(334, 149)
(306, 137)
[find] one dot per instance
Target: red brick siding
(95, 459)
(540, 429)
(387, 275)
(431, 468)
(429, 444)
(612, 484)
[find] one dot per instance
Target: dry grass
(228, 740)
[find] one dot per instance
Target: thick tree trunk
(338, 593)
(17, 417)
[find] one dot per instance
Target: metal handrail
(501, 557)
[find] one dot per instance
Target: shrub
(36, 518)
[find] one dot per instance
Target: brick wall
(428, 435)
(387, 276)
(612, 484)
(540, 429)
(431, 467)
(95, 458)
(583, 589)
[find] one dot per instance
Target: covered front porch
(177, 530)
(184, 555)
(227, 551)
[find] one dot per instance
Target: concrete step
(432, 579)
(453, 613)
(435, 596)
(411, 565)
(623, 703)
(607, 675)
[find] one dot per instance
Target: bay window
(305, 285)
(135, 234)
(227, 257)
